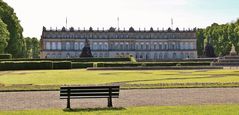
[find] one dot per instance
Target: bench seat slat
(94, 94)
(88, 97)
(93, 90)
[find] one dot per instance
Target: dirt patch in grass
(18, 72)
(116, 73)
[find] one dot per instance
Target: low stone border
(155, 68)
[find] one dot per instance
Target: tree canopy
(221, 37)
(16, 43)
(4, 36)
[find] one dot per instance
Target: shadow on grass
(94, 109)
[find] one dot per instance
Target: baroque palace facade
(142, 44)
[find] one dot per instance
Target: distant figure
(209, 51)
(86, 51)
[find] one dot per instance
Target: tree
(4, 36)
(32, 47)
(35, 48)
(16, 44)
(28, 47)
(200, 41)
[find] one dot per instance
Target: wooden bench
(89, 92)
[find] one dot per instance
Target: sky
(34, 14)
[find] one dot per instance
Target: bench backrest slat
(89, 92)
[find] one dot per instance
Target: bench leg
(110, 102)
(68, 103)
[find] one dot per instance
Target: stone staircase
(227, 61)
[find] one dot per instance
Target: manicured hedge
(62, 65)
(178, 64)
(36, 65)
(5, 56)
(76, 60)
(195, 64)
(151, 64)
(25, 65)
(118, 64)
(79, 65)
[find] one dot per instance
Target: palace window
(174, 55)
(106, 46)
(76, 46)
(68, 46)
(106, 55)
(155, 55)
(54, 45)
(81, 45)
(160, 46)
(48, 45)
(59, 45)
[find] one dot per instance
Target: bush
(5, 56)
(161, 64)
(178, 64)
(25, 65)
(75, 60)
(195, 63)
(62, 65)
(118, 64)
(151, 64)
(79, 65)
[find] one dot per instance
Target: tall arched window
(59, 45)
(174, 55)
(155, 56)
(186, 45)
(76, 46)
(137, 46)
(81, 45)
(155, 46)
(106, 46)
(160, 46)
(160, 55)
(147, 46)
(126, 46)
(68, 46)
(100, 46)
(53, 45)
(48, 45)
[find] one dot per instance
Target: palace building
(142, 44)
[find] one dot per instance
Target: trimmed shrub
(25, 65)
(195, 63)
(80, 65)
(75, 60)
(118, 64)
(5, 56)
(62, 65)
(178, 64)
(161, 64)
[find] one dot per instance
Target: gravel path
(137, 97)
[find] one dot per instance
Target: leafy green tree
(35, 48)
(200, 41)
(16, 44)
(32, 47)
(4, 36)
(28, 47)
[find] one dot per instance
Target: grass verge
(53, 79)
(149, 110)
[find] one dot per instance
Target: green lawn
(85, 77)
(149, 110)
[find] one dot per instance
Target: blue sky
(137, 13)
